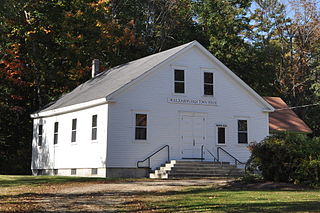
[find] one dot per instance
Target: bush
(287, 157)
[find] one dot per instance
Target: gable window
(55, 133)
(74, 130)
(221, 135)
(179, 81)
(40, 133)
(141, 127)
(208, 83)
(243, 131)
(94, 127)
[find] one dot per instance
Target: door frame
(193, 114)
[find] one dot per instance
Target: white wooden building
(183, 100)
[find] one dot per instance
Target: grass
(20, 193)
(27, 180)
(209, 199)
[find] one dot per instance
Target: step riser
(204, 167)
(196, 169)
(213, 173)
(203, 176)
(200, 163)
(204, 171)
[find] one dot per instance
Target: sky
(290, 11)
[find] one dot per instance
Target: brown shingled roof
(286, 119)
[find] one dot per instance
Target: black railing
(149, 157)
(236, 161)
(202, 154)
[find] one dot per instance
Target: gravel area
(111, 197)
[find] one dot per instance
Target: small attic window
(208, 83)
(179, 81)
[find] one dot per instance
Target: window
(40, 133)
(55, 171)
(55, 133)
(208, 83)
(242, 131)
(40, 172)
(73, 171)
(141, 127)
(221, 135)
(94, 127)
(94, 171)
(178, 81)
(74, 130)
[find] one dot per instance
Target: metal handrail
(202, 153)
(236, 161)
(149, 157)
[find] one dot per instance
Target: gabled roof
(105, 84)
(283, 118)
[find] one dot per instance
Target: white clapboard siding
(84, 153)
(149, 95)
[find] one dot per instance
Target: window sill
(179, 94)
(141, 141)
(220, 144)
(208, 96)
(94, 141)
(242, 144)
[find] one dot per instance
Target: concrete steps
(196, 169)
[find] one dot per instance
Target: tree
(290, 50)
(223, 24)
(47, 47)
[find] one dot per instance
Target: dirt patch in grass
(145, 195)
(96, 196)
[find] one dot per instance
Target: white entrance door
(192, 135)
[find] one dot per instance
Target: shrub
(287, 157)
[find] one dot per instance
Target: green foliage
(46, 48)
(288, 158)
(250, 177)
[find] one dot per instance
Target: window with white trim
(221, 135)
(208, 83)
(73, 171)
(179, 79)
(94, 171)
(94, 127)
(242, 131)
(140, 126)
(55, 132)
(74, 130)
(40, 134)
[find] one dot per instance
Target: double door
(192, 135)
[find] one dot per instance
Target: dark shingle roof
(109, 81)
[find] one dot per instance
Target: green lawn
(18, 190)
(208, 199)
(22, 180)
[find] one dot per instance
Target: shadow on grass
(12, 181)
(190, 200)
(17, 180)
(310, 206)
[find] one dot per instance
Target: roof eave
(71, 108)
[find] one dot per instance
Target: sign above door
(174, 100)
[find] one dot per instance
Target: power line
(302, 106)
